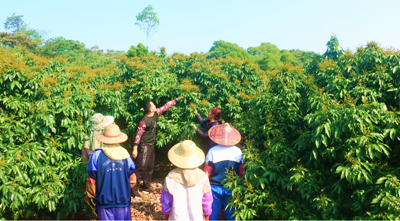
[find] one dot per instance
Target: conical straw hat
(186, 155)
(112, 135)
(224, 134)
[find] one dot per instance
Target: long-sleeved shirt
(206, 124)
(109, 181)
(147, 126)
(183, 203)
(219, 160)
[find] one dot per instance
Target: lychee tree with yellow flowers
(320, 141)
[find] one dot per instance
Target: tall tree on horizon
(147, 21)
(15, 22)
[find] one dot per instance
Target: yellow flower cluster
(224, 76)
(117, 86)
(171, 64)
(179, 56)
(204, 103)
(349, 54)
(193, 106)
(10, 61)
(232, 100)
(196, 65)
(187, 85)
(327, 63)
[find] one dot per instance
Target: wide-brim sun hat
(100, 122)
(112, 135)
(186, 155)
(224, 134)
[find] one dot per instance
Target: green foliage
(321, 140)
(333, 51)
(163, 52)
(42, 128)
(62, 47)
(14, 23)
(324, 144)
(18, 40)
(302, 56)
(75, 52)
(48, 103)
(147, 21)
(223, 49)
(138, 51)
(269, 57)
(21, 34)
(37, 36)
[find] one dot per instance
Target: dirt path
(149, 207)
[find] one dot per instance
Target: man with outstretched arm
(143, 148)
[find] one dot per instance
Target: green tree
(333, 51)
(267, 56)
(303, 56)
(18, 39)
(163, 52)
(138, 51)
(222, 49)
(288, 57)
(324, 144)
(264, 49)
(62, 47)
(15, 23)
(147, 21)
(34, 34)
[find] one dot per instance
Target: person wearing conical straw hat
(186, 194)
(99, 122)
(111, 176)
(214, 118)
(221, 158)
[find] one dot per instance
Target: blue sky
(193, 26)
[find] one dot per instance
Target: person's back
(223, 159)
(220, 160)
(111, 176)
(186, 193)
(187, 187)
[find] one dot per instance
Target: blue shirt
(113, 187)
(223, 159)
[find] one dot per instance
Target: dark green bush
(324, 144)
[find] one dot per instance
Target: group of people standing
(188, 193)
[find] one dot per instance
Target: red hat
(224, 134)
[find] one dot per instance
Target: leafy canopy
(14, 23)
(323, 140)
(25, 36)
(138, 51)
(223, 49)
